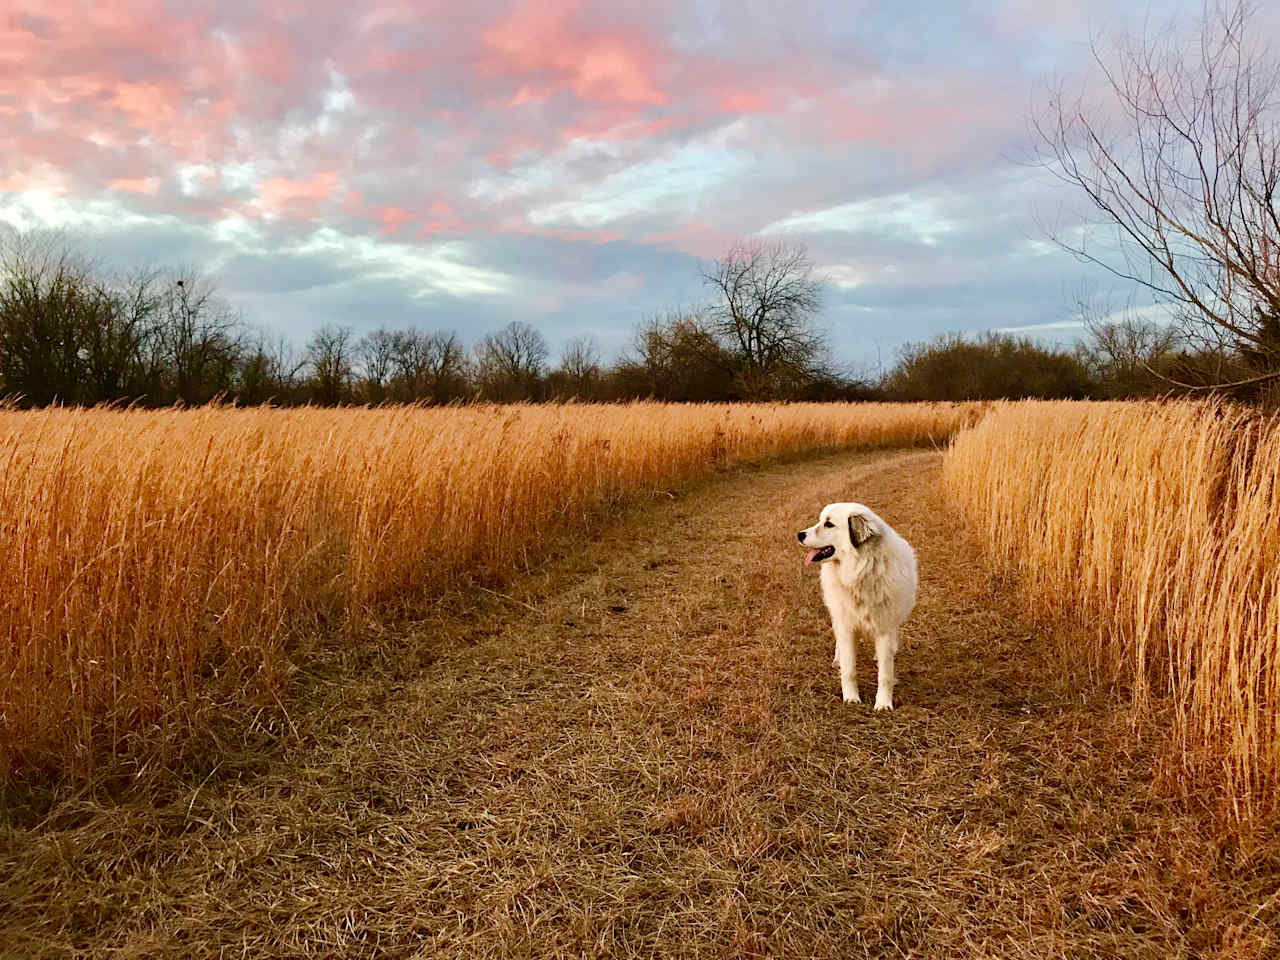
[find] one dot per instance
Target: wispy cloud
(917, 218)
(438, 268)
(681, 180)
(1043, 327)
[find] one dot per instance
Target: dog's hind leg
(846, 655)
(886, 674)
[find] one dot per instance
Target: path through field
(639, 750)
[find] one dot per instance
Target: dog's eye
(828, 524)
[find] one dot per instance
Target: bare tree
(1183, 164)
(677, 357)
(447, 369)
(329, 355)
(581, 358)
(429, 366)
(269, 372)
(377, 355)
(510, 363)
(70, 333)
(1127, 350)
(126, 358)
(1125, 354)
(42, 282)
(198, 338)
(767, 297)
(579, 374)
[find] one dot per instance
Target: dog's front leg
(846, 654)
(886, 675)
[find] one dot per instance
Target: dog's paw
(852, 696)
(883, 703)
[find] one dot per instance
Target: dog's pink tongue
(809, 559)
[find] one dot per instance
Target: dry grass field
(638, 749)
(157, 565)
(552, 681)
(1157, 526)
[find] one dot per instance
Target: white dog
(868, 584)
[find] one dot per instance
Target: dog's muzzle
(817, 554)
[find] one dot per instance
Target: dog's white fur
(869, 586)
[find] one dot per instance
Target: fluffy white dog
(869, 586)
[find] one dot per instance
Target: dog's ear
(860, 529)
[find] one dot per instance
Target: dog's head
(841, 528)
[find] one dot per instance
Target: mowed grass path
(638, 749)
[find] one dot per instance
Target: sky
(574, 164)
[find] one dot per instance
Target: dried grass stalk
(1159, 523)
(145, 556)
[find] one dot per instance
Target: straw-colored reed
(1158, 524)
(146, 557)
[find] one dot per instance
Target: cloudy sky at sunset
(565, 162)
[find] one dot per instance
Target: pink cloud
(31, 180)
(429, 218)
(301, 198)
(393, 218)
(541, 39)
(695, 235)
(437, 217)
(740, 100)
(145, 185)
(324, 110)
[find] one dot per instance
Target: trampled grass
(147, 558)
(1158, 524)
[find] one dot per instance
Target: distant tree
(992, 367)
(676, 357)
(376, 355)
(429, 366)
(1182, 165)
(48, 299)
(764, 316)
(71, 333)
(269, 373)
(329, 356)
(197, 338)
(836, 387)
(124, 356)
(579, 374)
(510, 363)
(1127, 357)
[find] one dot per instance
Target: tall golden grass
(148, 556)
(1158, 524)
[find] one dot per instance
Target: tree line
(1126, 359)
(73, 333)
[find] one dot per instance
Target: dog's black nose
(800, 536)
